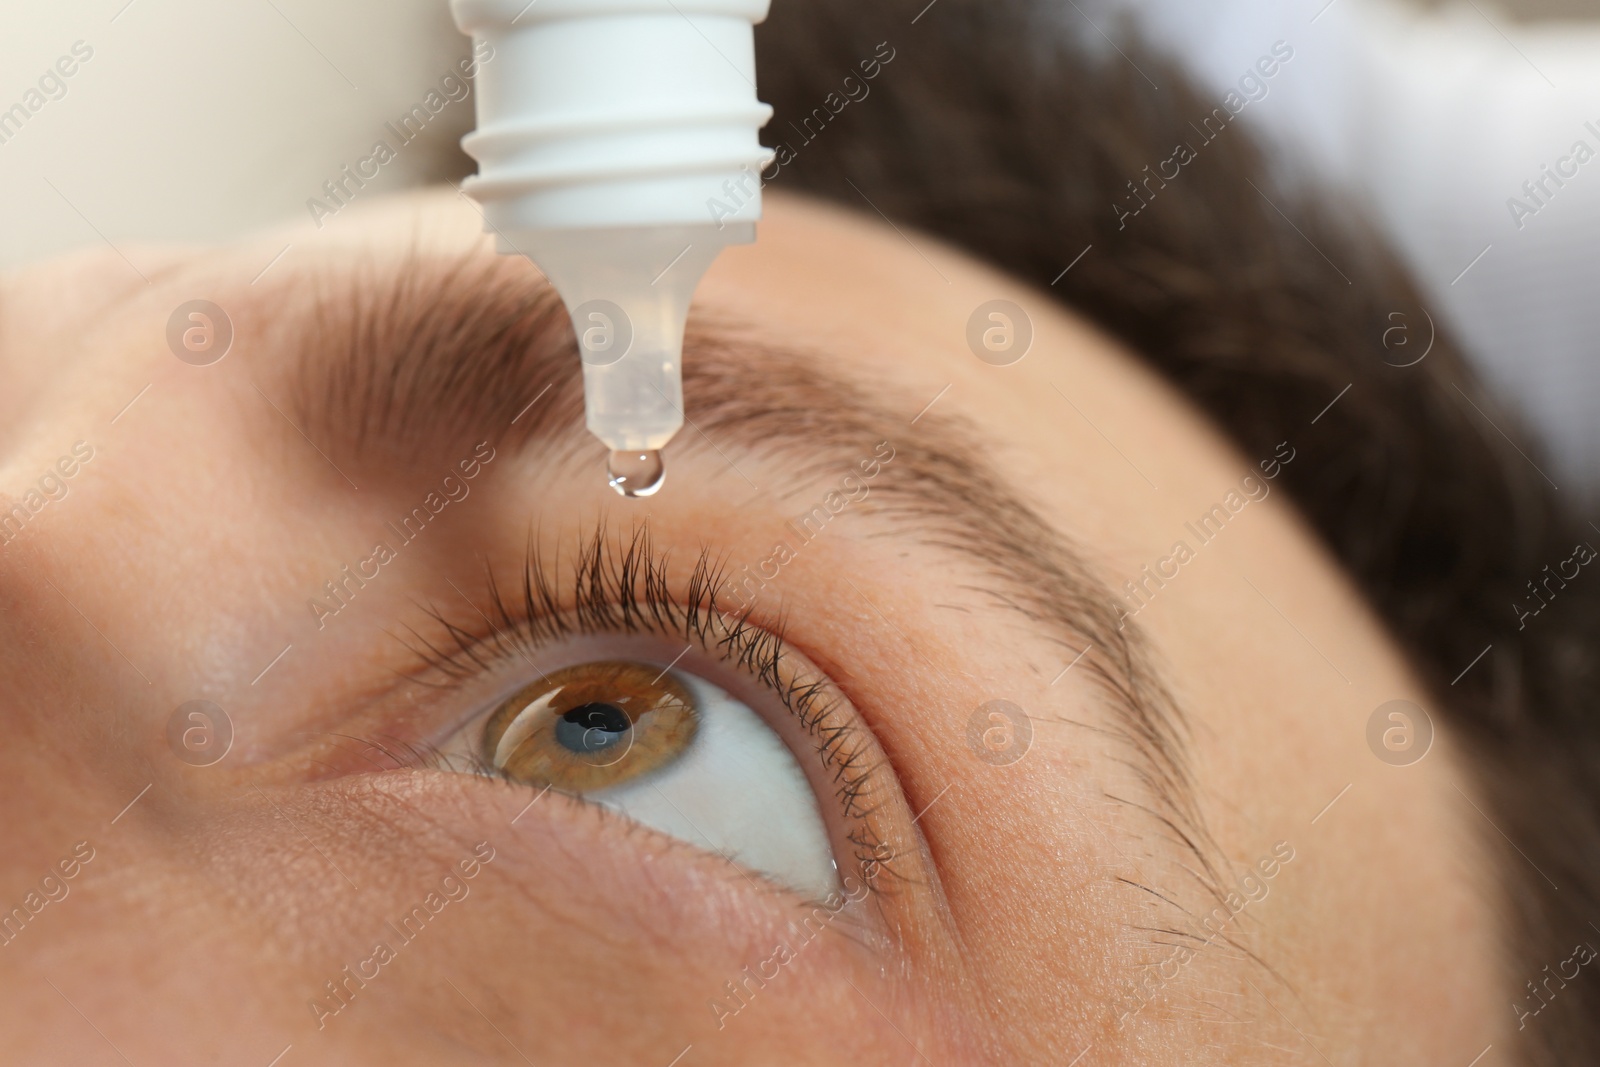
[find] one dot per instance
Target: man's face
(1055, 721)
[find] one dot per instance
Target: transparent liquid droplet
(636, 474)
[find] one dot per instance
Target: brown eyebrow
(431, 353)
(442, 352)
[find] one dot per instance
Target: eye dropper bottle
(617, 147)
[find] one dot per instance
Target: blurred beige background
(195, 120)
(1543, 9)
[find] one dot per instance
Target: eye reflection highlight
(591, 726)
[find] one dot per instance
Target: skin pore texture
(1030, 911)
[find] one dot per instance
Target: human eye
(603, 681)
(662, 744)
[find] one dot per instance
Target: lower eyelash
(621, 586)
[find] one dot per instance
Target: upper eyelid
(616, 585)
(621, 586)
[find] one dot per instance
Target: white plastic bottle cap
(618, 148)
(614, 112)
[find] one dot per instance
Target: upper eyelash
(622, 586)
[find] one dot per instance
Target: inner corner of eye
(670, 750)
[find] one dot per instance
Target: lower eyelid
(838, 754)
(853, 784)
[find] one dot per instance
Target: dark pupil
(592, 727)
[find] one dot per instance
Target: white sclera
(737, 790)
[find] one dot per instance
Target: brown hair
(1263, 301)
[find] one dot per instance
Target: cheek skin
(575, 907)
(281, 890)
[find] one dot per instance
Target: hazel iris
(591, 726)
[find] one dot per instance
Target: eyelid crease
(621, 586)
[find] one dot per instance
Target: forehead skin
(178, 564)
